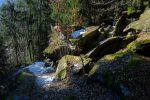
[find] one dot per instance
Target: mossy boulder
(57, 47)
(71, 64)
(142, 24)
(111, 45)
(125, 72)
(141, 45)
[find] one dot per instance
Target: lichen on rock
(142, 24)
(75, 63)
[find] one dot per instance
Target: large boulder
(125, 72)
(57, 48)
(143, 24)
(141, 45)
(111, 45)
(71, 64)
(87, 41)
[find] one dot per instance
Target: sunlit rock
(143, 24)
(74, 63)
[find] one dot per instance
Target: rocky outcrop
(143, 24)
(87, 41)
(111, 45)
(70, 64)
(125, 72)
(141, 45)
(57, 48)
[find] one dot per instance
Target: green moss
(62, 74)
(142, 23)
(135, 45)
(63, 64)
(55, 43)
(95, 68)
(131, 10)
(115, 55)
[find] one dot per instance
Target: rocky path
(38, 83)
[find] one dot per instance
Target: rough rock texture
(126, 72)
(142, 24)
(111, 45)
(75, 63)
(141, 45)
(57, 47)
(87, 41)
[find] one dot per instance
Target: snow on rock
(78, 33)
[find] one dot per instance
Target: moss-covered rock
(57, 47)
(142, 24)
(126, 72)
(111, 45)
(75, 63)
(141, 45)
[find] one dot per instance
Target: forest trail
(37, 82)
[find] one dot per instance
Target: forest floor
(76, 88)
(43, 87)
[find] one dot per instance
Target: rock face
(126, 72)
(75, 63)
(143, 24)
(111, 45)
(87, 41)
(141, 45)
(57, 48)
